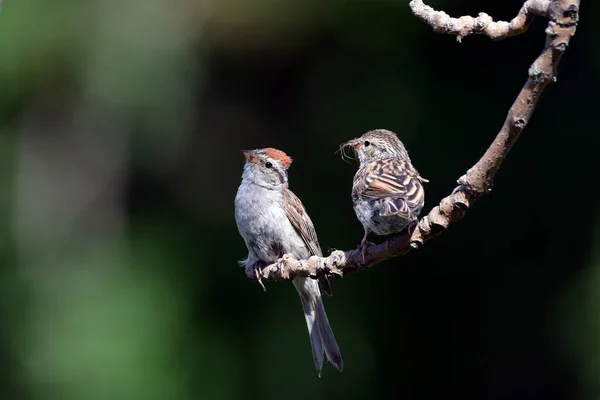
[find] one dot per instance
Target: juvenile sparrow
(273, 222)
(387, 192)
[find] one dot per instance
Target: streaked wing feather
(296, 213)
(393, 182)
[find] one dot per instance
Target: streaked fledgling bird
(273, 222)
(387, 192)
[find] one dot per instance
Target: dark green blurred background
(121, 124)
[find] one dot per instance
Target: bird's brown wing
(296, 213)
(394, 182)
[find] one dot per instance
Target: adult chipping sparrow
(387, 192)
(273, 222)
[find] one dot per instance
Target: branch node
(538, 74)
(475, 183)
(520, 123)
(434, 223)
(452, 208)
(570, 15)
(461, 200)
(438, 220)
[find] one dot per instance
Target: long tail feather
(332, 350)
(321, 335)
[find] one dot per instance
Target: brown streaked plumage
(387, 191)
(296, 213)
(393, 182)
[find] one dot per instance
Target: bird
(273, 221)
(387, 191)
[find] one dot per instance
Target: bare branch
(563, 15)
(483, 23)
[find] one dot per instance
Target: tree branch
(563, 16)
(483, 23)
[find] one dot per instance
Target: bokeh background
(121, 124)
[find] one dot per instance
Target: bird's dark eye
(268, 165)
(367, 143)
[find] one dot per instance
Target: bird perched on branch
(273, 222)
(387, 192)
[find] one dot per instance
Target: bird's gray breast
(368, 212)
(264, 225)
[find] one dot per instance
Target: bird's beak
(249, 154)
(354, 143)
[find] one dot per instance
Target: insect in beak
(354, 143)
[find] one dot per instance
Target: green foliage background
(120, 130)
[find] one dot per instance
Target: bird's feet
(364, 245)
(412, 225)
(257, 272)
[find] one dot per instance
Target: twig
(483, 23)
(563, 16)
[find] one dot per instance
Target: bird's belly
(388, 224)
(368, 214)
(268, 233)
